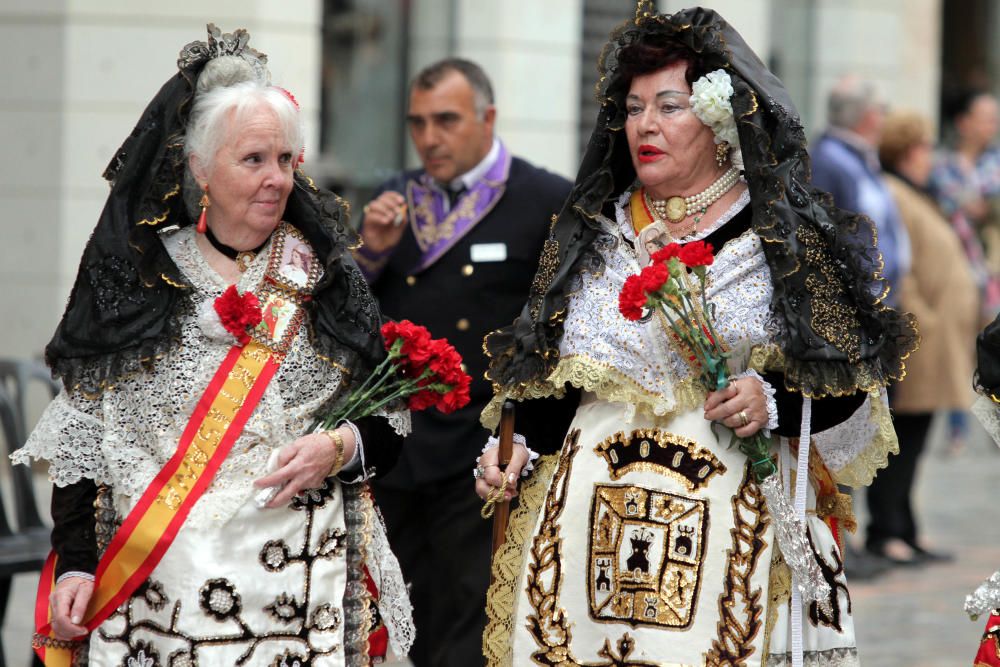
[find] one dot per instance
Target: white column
(895, 43)
(531, 51)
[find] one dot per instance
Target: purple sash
(436, 231)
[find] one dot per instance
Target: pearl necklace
(676, 208)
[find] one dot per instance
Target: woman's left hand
(742, 406)
(304, 464)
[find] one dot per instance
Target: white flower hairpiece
(710, 102)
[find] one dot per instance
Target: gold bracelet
(338, 444)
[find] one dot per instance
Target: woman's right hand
(69, 603)
(380, 229)
(492, 477)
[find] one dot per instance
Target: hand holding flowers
(666, 284)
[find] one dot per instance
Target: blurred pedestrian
(454, 245)
(964, 180)
(845, 163)
(966, 177)
(940, 291)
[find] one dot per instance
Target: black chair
(24, 542)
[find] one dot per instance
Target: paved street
(908, 617)
(914, 617)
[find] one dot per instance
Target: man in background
(845, 163)
(453, 246)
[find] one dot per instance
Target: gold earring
(721, 153)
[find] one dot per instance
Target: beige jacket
(941, 292)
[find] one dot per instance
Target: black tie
(453, 196)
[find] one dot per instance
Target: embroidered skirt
(653, 546)
(281, 587)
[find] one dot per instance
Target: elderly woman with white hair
(194, 523)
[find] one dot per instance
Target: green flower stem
(394, 353)
(756, 448)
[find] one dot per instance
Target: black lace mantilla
(825, 267)
(125, 308)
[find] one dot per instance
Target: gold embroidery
(547, 624)
(779, 592)
(242, 375)
(169, 497)
(660, 538)
(740, 610)
(160, 218)
(547, 265)
(173, 283)
(237, 401)
(508, 564)
(660, 452)
(832, 317)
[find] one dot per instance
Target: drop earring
(721, 153)
(203, 218)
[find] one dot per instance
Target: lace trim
(855, 450)
(988, 414)
(769, 400)
(606, 383)
(768, 357)
(124, 436)
(358, 518)
(393, 600)
(508, 564)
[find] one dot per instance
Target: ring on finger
(478, 472)
(744, 420)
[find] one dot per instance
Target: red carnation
(456, 398)
(415, 350)
(238, 313)
(666, 253)
(632, 299)
(653, 277)
(696, 253)
(423, 399)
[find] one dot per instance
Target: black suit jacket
(462, 301)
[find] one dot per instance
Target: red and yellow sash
(215, 425)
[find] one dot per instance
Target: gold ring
(364, 209)
(742, 414)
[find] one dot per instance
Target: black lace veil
(824, 263)
(125, 306)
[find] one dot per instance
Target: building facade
(79, 72)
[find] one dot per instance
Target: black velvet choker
(229, 251)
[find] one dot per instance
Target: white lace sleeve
(68, 436)
(854, 449)
(771, 403)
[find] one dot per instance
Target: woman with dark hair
(647, 537)
(946, 306)
(198, 520)
(966, 177)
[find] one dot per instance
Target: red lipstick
(649, 153)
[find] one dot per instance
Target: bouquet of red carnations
(667, 284)
(426, 371)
